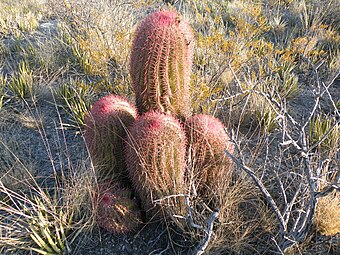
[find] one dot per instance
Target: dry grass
(327, 216)
(18, 17)
(45, 202)
(46, 220)
(244, 222)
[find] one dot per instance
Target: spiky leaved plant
(160, 64)
(117, 211)
(106, 126)
(155, 156)
(207, 141)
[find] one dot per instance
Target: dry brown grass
(327, 215)
(245, 223)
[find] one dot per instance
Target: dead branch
(262, 188)
(296, 212)
(208, 233)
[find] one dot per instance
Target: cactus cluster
(155, 148)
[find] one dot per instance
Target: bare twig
(160, 200)
(277, 246)
(262, 188)
(189, 214)
(208, 233)
(301, 201)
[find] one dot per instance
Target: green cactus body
(106, 126)
(117, 212)
(155, 156)
(207, 142)
(160, 64)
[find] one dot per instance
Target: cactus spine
(106, 126)
(208, 140)
(160, 65)
(155, 157)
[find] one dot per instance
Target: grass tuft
(21, 84)
(327, 216)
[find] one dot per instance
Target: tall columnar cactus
(106, 126)
(117, 210)
(160, 64)
(155, 156)
(207, 142)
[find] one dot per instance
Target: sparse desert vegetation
(245, 161)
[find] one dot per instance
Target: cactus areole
(160, 67)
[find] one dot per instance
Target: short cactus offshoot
(117, 212)
(106, 126)
(160, 67)
(207, 142)
(155, 156)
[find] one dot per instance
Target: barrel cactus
(155, 156)
(117, 211)
(106, 126)
(207, 142)
(160, 64)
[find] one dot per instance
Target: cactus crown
(208, 138)
(160, 66)
(112, 103)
